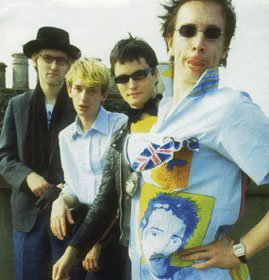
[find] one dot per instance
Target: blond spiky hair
(91, 72)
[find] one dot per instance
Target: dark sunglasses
(137, 75)
(211, 32)
(60, 60)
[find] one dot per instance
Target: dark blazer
(12, 167)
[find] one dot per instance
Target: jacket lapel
(21, 115)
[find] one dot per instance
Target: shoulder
(229, 95)
(238, 103)
(67, 132)
(119, 136)
(116, 120)
(229, 101)
(113, 116)
(24, 97)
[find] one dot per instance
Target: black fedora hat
(51, 38)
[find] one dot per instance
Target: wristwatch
(239, 251)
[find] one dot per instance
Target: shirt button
(121, 131)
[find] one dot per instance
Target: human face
(160, 239)
(86, 100)
(51, 74)
(192, 56)
(136, 93)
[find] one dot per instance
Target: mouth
(134, 94)
(82, 108)
(157, 257)
(53, 74)
(196, 64)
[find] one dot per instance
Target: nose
(83, 95)
(53, 64)
(198, 42)
(132, 83)
(160, 245)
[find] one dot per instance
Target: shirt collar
(100, 124)
(208, 81)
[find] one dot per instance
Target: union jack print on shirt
(154, 154)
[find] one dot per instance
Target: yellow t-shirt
(143, 125)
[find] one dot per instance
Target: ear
(69, 90)
(34, 59)
(225, 53)
(155, 75)
(170, 45)
(104, 96)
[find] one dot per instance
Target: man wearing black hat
(29, 152)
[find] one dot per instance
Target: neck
(144, 116)
(148, 109)
(181, 88)
(51, 92)
(87, 122)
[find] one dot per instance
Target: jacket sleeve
(11, 168)
(102, 211)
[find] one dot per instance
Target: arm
(95, 223)
(10, 160)
(91, 261)
(220, 254)
(60, 214)
(244, 139)
(37, 184)
(63, 265)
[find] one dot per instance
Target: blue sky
(96, 25)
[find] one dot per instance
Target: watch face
(239, 250)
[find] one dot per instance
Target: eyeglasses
(211, 32)
(60, 60)
(137, 75)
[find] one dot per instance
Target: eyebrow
(158, 229)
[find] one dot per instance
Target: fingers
(69, 217)
(63, 265)
(37, 184)
(61, 269)
(194, 256)
(91, 261)
(54, 271)
(39, 190)
(58, 227)
(203, 265)
(91, 264)
(58, 220)
(59, 274)
(216, 254)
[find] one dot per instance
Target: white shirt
(83, 154)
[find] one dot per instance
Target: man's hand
(60, 213)
(62, 267)
(45, 201)
(216, 254)
(37, 184)
(91, 261)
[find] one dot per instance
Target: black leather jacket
(112, 199)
